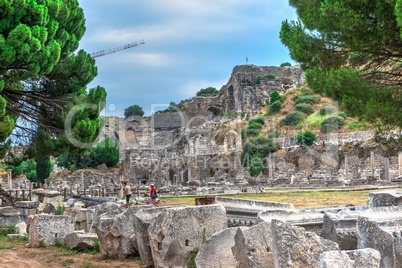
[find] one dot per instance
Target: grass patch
(67, 262)
(315, 119)
(87, 264)
(299, 198)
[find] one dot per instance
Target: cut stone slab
(385, 198)
(367, 258)
(341, 228)
(179, 230)
(80, 240)
(45, 230)
(115, 232)
(254, 247)
(380, 228)
(296, 248)
(311, 220)
(217, 251)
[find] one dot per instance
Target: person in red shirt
(153, 194)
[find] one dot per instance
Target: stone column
(372, 163)
(270, 167)
(82, 181)
(400, 163)
(9, 178)
(386, 168)
(346, 167)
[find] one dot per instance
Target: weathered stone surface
(79, 240)
(217, 250)
(385, 198)
(341, 228)
(110, 207)
(22, 228)
(177, 231)
(27, 204)
(311, 220)
(380, 229)
(296, 248)
(115, 231)
(9, 216)
(140, 239)
(45, 229)
(254, 247)
(367, 258)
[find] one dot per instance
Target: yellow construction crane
(113, 50)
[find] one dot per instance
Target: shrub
(275, 107)
(270, 76)
(342, 114)
(309, 99)
(327, 110)
(304, 108)
(259, 119)
(286, 64)
(60, 209)
(306, 138)
(332, 123)
(293, 118)
(275, 96)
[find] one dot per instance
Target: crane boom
(113, 50)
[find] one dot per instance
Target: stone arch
(232, 141)
(213, 113)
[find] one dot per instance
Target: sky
(189, 45)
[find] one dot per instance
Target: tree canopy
(351, 51)
(44, 100)
(133, 110)
(207, 92)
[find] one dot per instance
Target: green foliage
(257, 120)
(43, 168)
(105, 152)
(43, 88)
(286, 64)
(232, 115)
(293, 118)
(207, 92)
(259, 78)
(304, 108)
(332, 123)
(357, 125)
(60, 209)
(254, 152)
(327, 109)
(67, 262)
(275, 96)
(346, 61)
(133, 110)
(191, 258)
(9, 229)
(275, 107)
(253, 127)
(173, 107)
(306, 137)
(342, 114)
(309, 99)
(21, 165)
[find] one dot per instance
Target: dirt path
(20, 256)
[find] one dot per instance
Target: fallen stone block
(380, 228)
(80, 241)
(254, 247)
(341, 228)
(45, 230)
(217, 250)
(115, 232)
(367, 258)
(385, 199)
(296, 248)
(178, 230)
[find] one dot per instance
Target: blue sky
(189, 45)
